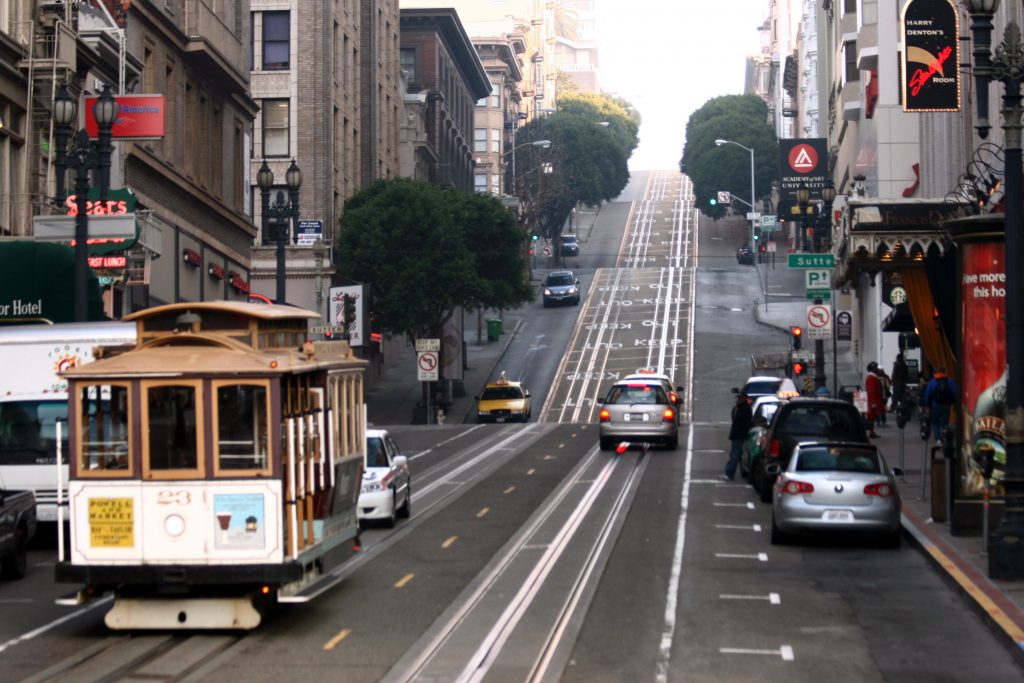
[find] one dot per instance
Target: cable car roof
(261, 310)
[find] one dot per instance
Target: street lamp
(83, 155)
(753, 221)
(283, 213)
(1006, 544)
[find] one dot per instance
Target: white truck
(33, 398)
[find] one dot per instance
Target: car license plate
(838, 516)
(635, 417)
(499, 419)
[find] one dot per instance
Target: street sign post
(426, 366)
(428, 345)
(824, 294)
(844, 325)
(812, 261)
(818, 278)
(753, 216)
(768, 224)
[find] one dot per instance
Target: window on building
(480, 140)
(849, 6)
(495, 140)
(407, 58)
(275, 128)
(850, 49)
(495, 95)
(480, 182)
(276, 43)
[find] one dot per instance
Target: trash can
(940, 484)
(494, 330)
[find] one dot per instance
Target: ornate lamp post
(1006, 543)
(281, 214)
(83, 155)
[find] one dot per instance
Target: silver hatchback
(637, 411)
(837, 488)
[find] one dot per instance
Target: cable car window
(172, 427)
(103, 416)
(242, 427)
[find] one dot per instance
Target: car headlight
(572, 290)
(547, 292)
(483, 412)
(372, 486)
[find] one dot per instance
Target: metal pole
(282, 239)
(1006, 552)
(81, 265)
(753, 212)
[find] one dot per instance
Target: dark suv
(801, 420)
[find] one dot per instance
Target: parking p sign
(818, 278)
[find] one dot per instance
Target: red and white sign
(819, 322)
(803, 158)
(139, 117)
(426, 366)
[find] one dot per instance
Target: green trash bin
(494, 330)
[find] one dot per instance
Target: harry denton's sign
(931, 56)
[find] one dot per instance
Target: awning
(37, 284)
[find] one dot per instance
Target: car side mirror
(898, 472)
(399, 461)
(526, 393)
(735, 390)
(476, 398)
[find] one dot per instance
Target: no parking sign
(819, 322)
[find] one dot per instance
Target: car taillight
(797, 488)
(675, 398)
(774, 448)
(882, 490)
(668, 416)
(605, 415)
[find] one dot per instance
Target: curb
(1001, 614)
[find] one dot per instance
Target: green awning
(37, 284)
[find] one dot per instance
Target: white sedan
(386, 493)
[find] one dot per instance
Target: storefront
(36, 284)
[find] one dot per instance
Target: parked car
(570, 245)
(386, 492)
(561, 286)
(745, 255)
(17, 528)
(803, 420)
(762, 411)
(837, 488)
(675, 393)
(637, 411)
(503, 401)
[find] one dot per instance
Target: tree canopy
(741, 119)
(426, 250)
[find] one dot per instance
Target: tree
(743, 119)
(420, 248)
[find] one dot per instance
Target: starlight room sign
(931, 56)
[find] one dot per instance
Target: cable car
(215, 467)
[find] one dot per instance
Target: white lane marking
(748, 505)
(710, 450)
(744, 527)
(55, 623)
(16, 601)
(785, 651)
(773, 598)
(762, 557)
(442, 443)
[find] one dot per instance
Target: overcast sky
(668, 57)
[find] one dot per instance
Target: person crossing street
(742, 418)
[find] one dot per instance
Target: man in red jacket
(876, 398)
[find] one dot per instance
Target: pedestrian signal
(796, 335)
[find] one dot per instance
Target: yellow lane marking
(509, 490)
(972, 589)
(342, 635)
(449, 541)
(404, 580)
(482, 512)
(530, 472)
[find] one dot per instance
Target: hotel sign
(931, 56)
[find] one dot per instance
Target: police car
(386, 492)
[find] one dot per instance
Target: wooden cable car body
(215, 467)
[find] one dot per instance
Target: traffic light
(348, 309)
(534, 237)
(796, 335)
(799, 368)
(713, 202)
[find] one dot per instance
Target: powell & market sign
(931, 56)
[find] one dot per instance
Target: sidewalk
(962, 559)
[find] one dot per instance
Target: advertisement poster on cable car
(983, 364)
(239, 521)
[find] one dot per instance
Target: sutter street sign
(812, 261)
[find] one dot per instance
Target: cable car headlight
(174, 525)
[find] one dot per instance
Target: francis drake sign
(931, 56)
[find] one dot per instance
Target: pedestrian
(876, 399)
(886, 394)
(900, 372)
(741, 423)
(939, 397)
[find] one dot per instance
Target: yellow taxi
(503, 401)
